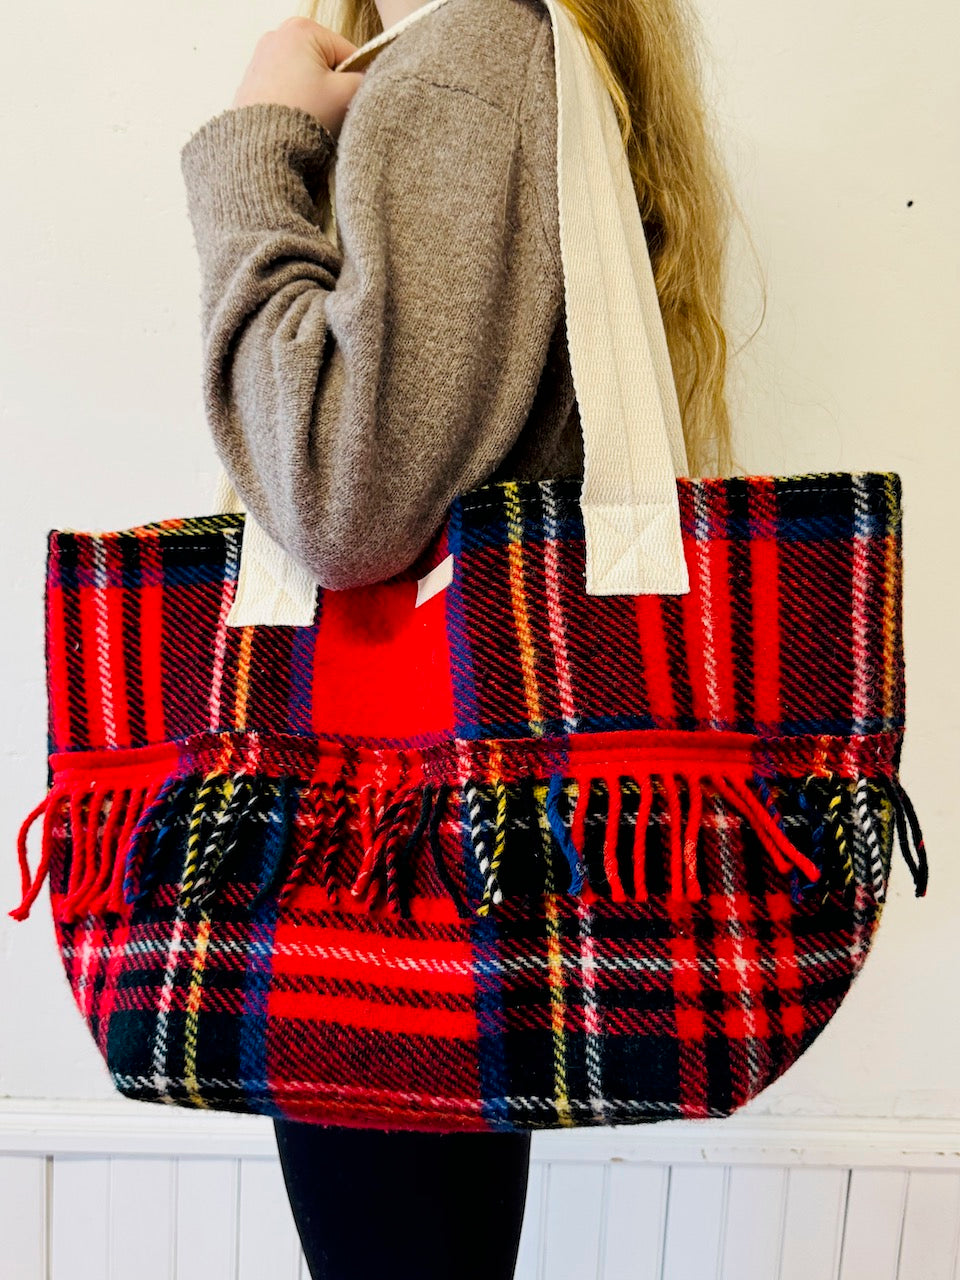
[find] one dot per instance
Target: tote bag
(585, 819)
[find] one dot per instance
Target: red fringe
(610, 834)
(103, 813)
(694, 818)
(113, 897)
(309, 825)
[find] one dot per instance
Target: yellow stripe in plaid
(193, 1013)
(519, 603)
(561, 1096)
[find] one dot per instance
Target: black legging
(371, 1203)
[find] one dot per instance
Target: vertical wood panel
(268, 1240)
(571, 1242)
(211, 1218)
(871, 1232)
(23, 1217)
(813, 1224)
(80, 1207)
(695, 1210)
(142, 1231)
(635, 1221)
(931, 1219)
(531, 1232)
(754, 1223)
(207, 1219)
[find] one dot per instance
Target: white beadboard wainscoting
(116, 1191)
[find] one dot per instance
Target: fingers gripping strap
(630, 417)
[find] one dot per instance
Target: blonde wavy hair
(649, 55)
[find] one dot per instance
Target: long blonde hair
(648, 53)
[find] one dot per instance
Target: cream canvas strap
(630, 417)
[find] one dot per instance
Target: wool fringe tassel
(121, 836)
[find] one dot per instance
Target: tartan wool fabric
(519, 857)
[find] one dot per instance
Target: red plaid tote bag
(591, 823)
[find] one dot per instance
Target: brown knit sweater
(355, 386)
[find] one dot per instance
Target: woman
(354, 387)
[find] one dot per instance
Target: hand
(294, 65)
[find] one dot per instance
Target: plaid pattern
(792, 626)
(517, 858)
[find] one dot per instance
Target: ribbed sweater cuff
(259, 165)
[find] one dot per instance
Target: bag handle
(630, 416)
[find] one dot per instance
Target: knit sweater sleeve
(353, 389)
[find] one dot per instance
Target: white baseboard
(126, 1128)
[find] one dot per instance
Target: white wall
(834, 117)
